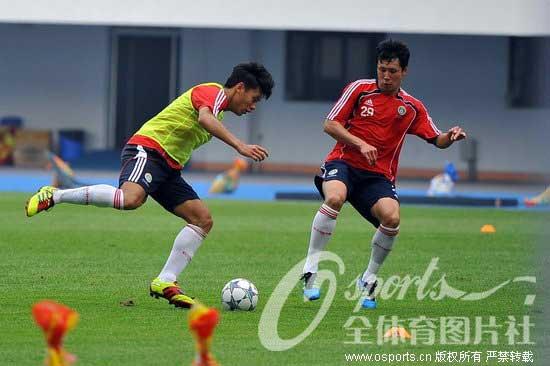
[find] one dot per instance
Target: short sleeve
(423, 125)
(209, 96)
(343, 108)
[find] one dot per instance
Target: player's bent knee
(134, 195)
(335, 201)
(207, 224)
(204, 222)
(391, 220)
(132, 201)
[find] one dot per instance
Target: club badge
(401, 110)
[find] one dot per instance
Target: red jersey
(381, 121)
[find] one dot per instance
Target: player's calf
(100, 195)
(195, 213)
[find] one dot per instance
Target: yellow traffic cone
(488, 229)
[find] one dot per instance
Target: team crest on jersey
(401, 110)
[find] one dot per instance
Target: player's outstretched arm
(445, 140)
(212, 125)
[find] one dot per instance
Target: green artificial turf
(92, 259)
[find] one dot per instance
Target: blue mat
(30, 181)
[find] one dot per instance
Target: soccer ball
(239, 294)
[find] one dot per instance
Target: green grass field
(91, 259)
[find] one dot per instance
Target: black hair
(389, 49)
(252, 75)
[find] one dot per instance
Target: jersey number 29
(367, 111)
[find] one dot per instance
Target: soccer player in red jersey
(369, 123)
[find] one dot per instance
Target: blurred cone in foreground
(488, 229)
(397, 332)
(202, 322)
(228, 181)
(55, 320)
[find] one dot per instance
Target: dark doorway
(145, 78)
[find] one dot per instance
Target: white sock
(321, 230)
(101, 195)
(185, 245)
(382, 243)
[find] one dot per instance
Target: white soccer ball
(239, 294)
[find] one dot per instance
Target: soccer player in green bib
(154, 156)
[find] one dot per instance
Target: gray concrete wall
(57, 77)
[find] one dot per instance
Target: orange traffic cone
(55, 320)
(397, 332)
(202, 322)
(488, 229)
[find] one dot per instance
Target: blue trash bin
(11, 121)
(71, 144)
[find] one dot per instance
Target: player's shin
(101, 195)
(321, 231)
(185, 245)
(382, 243)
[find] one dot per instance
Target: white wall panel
(508, 17)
